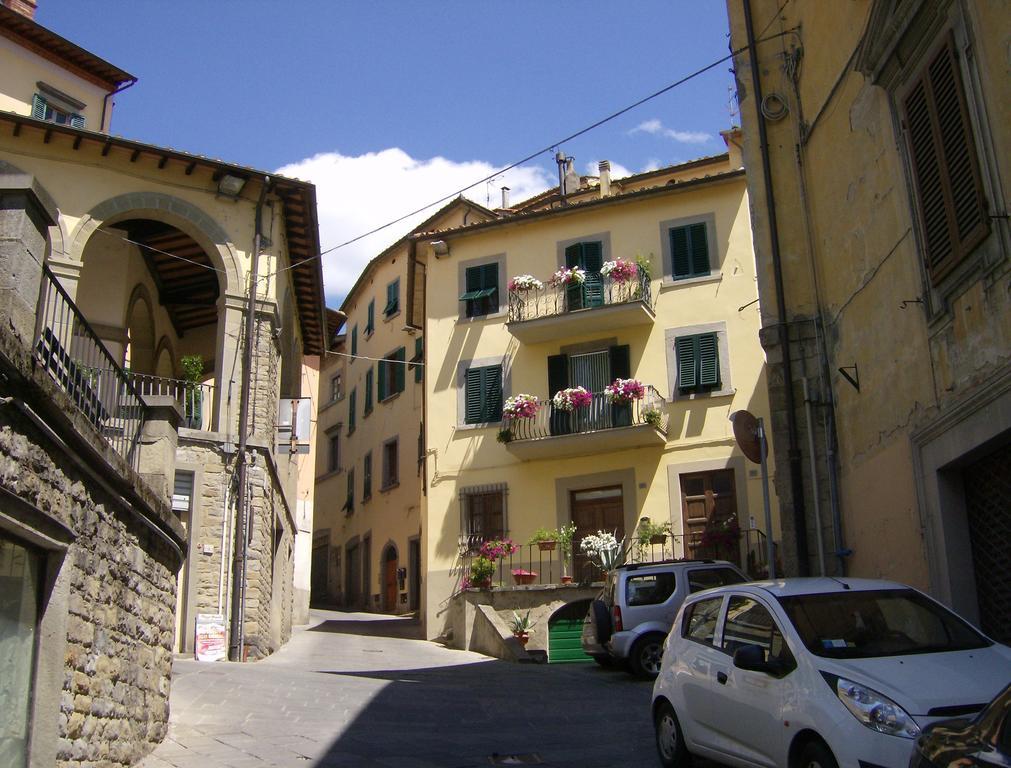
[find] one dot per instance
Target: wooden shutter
(681, 263)
(684, 346)
(351, 410)
(383, 380)
(709, 360)
(38, 107)
(558, 373)
(621, 364)
(472, 396)
(354, 340)
(77, 121)
(367, 475)
(593, 256)
(574, 256)
(699, 248)
(370, 326)
(419, 356)
(949, 191)
(492, 384)
(369, 377)
(398, 369)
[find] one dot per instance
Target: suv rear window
(649, 588)
(707, 578)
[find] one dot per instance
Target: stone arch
(170, 210)
(57, 236)
(140, 329)
(165, 359)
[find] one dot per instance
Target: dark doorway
(595, 509)
(709, 515)
(353, 577)
(414, 574)
(988, 508)
(390, 579)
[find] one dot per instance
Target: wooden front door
(390, 581)
(708, 505)
(597, 509)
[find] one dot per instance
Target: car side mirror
(751, 657)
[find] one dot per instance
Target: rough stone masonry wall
(122, 581)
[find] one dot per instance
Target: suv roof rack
(636, 566)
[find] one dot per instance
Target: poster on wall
(210, 637)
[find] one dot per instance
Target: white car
(806, 673)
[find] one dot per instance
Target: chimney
(505, 197)
(572, 180)
(24, 7)
(734, 138)
(604, 171)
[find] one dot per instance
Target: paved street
(357, 690)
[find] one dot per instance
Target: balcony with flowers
(575, 300)
(576, 422)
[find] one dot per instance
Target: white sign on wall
(210, 644)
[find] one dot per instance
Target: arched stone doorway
(390, 586)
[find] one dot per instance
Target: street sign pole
(770, 549)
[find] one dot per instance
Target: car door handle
(721, 678)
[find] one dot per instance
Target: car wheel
(815, 754)
(602, 620)
(670, 742)
(647, 652)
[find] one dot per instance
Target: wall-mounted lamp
(230, 185)
(440, 248)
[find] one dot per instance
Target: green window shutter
(699, 249)
(472, 396)
(38, 107)
(481, 289)
(370, 326)
(349, 501)
(369, 378)
(354, 340)
(399, 369)
(367, 475)
(384, 376)
(687, 362)
(558, 373)
(574, 256)
(709, 361)
(621, 364)
(492, 385)
(77, 121)
(392, 298)
(352, 398)
(593, 256)
(681, 263)
(419, 355)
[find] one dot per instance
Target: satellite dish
(746, 434)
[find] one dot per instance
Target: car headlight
(875, 710)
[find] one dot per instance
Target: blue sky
(389, 105)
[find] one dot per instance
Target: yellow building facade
(880, 220)
(367, 517)
(687, 331)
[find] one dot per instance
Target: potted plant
(523, 283)
(546, 539)
(496, 549)
(565, 534)
(521, 626)
(482, 569)
(649, 533)
(571, 398)
(620, 271)
(505, 435)
(604, 549)
(652, 416)
(521, 406)
(567, 276)
(621, 391)
(523, 577)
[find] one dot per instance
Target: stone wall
(114, 586)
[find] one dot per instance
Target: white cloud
(655, 128)
(618, 171)
(355, 194)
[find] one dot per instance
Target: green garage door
(565, 628)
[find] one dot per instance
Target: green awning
(470, 295)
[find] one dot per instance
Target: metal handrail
(600, 414)
(196, 399)
(551, 301)
(74, 355)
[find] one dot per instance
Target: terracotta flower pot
(546, 546)
(523, 637)
(566, 579)
(659, 538)
(524, 577)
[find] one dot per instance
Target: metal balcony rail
(195, 399)
(599, 414)
(72, 353)
(529, 564)
(598, 291)
(744, 547)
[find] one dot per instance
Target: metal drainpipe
(108, 97)
(793, 450)
(236, 620)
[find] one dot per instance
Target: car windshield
(893, 622)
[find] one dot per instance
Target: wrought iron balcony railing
(72, 353)
(600, 414)
(598, 291)
(197, 400)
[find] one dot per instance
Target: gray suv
(631, 617)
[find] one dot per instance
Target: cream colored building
(368, 531)
(688, 331)
(889, 153)
(156, 249)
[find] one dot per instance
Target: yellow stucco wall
(22, 70)
(699, 436)
(854, 234)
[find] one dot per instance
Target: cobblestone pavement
(358, 690)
